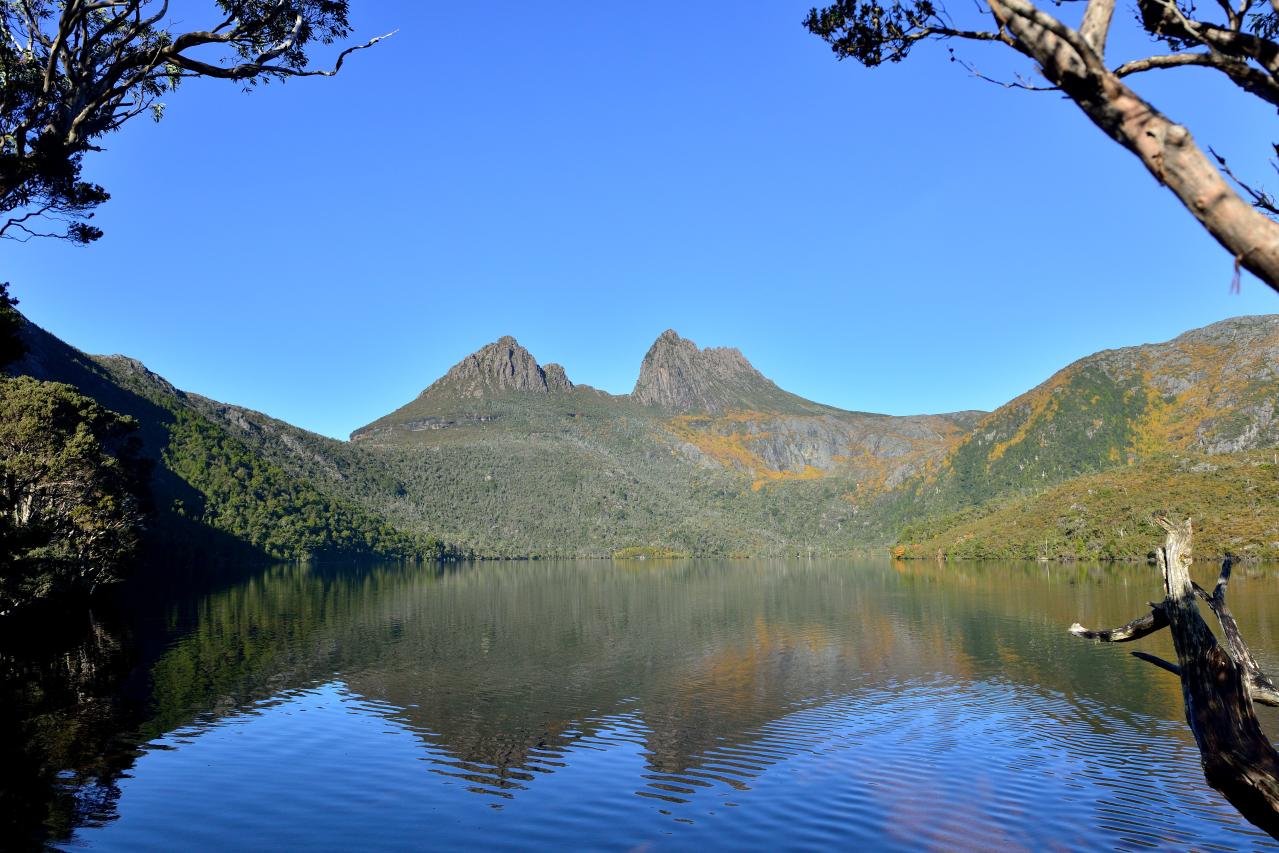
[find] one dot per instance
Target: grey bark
(1219, 684)
(1073, 62)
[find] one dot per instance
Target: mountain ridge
(225, 485)
(507, 457)
(678, 376)
(1208, 390)
(503, 365)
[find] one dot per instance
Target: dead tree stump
(1219, 683)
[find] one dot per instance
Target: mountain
(685, 464)
(496, 371)
(229, 482)
(680, 378)
(1209, 391)
(789, 475)
(710, 406)
(505, 457)
(503, 365)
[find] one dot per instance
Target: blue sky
(903, 239)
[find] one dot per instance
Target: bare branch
(1058, 49)
(1166, 149)
(1232, 17)
(1142, 626)
(279, 49)
(1165, 18)
(1219, 685)
(1170, 60)
(1223, 579)
(1157, 661)
(1260, 688)
(1019, 83)
(1263, 201)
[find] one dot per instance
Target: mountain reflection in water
(526, 705)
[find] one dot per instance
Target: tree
(72, 71)
(1241, 44)
(71, 491)
(11, 346)
(1220, 681)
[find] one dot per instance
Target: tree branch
(253, 69)
(1142, 626)
(1260, 199)
(1248, 78)
(92, 65)
(1096, 24)
(1157, 661)
(1166, 149)
(1165, 18)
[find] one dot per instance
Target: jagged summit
(678, 376)
(503, 365)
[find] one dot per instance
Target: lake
(619, 706)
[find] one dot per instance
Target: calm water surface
(672, 706)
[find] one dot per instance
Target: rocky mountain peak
(678, 376)
(503, 365)
(556, 378)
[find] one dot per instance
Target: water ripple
(725, 706)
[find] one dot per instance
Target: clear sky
(585, 175)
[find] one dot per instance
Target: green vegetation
(579, 473)
(11, 348)
(72, 73)
(115, 438)
(1232, 498)
(72, 490)
(261, 505)
(649, 552)
(1123, 413)
(583, 474)
(1080, 421)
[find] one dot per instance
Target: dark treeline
(96, 479)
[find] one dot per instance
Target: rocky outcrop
(501, 366)
(679, 377)
(556, 378)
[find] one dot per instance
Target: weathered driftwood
(1218, 683)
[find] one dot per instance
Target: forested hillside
(1209, 391)
(213, 493)
(1232, 498)
(504, 457)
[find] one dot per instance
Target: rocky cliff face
(466, 394)
(725, 412)
(681, 378)
(501, 366)
(877, 452)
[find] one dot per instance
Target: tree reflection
(502, 669)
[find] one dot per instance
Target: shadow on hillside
(172, 539)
